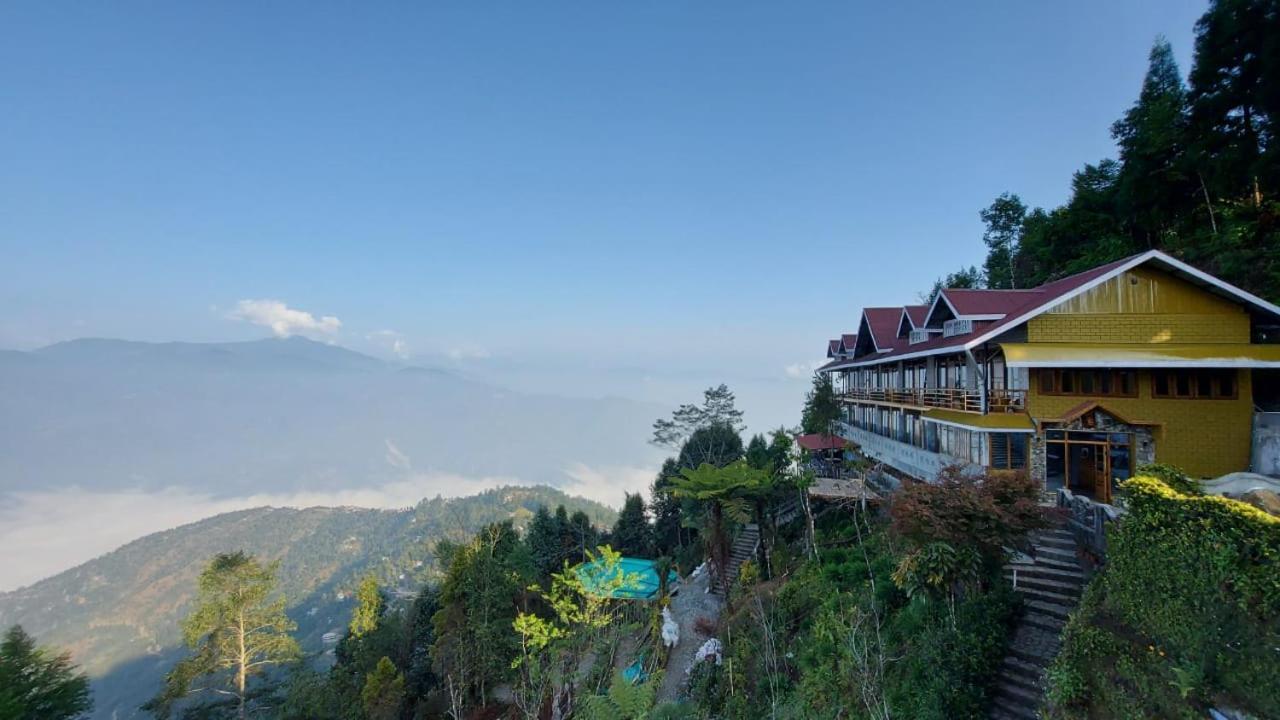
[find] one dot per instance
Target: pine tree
(821, 406)
(37, 684)
(236, 631)
(632, 534)
(383, 692)
(757, 454)
(667, 529)
(543, 539)
(1154, 186)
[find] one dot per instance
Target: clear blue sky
(613, 192)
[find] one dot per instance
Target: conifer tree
(236, 630)
(38, 684)
(632, 534)
(383, 692)
(369, 607)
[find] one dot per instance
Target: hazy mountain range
(118, 614)
(103, 441)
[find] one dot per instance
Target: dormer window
(960, 326)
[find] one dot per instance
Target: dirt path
(691, 603)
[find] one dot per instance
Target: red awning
(821, 441)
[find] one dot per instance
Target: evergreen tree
(543, 539)
(821, 406)
(383, 692)
(667, 530)
(37, 684)
(718, 408)
(717, 444)
(1004, 227)
(369, 607)
(632, 534)
(1154, 187)
(1235, 98)
(757, 455)
(236, 631)
(474, 644)
(582, 534)
(969, 277)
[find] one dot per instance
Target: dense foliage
(1197, 173)
(37, 683)
(1186, 613)
(840, 639)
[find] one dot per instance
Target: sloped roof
(883, 324)
(1018, 306)
(833, 347)
(821, 441)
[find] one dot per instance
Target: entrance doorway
(1088, 463)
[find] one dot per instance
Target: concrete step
(1059, 562)
(1029, 700)
(1010, 707)
(1047, 571)
(1067, 543)
(1022, 673)
(1052, 609)
(1044, 622)
(1033, 645)
(1067, 588)
(1031, 592)
(1056, 553)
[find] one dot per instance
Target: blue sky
(627, 198)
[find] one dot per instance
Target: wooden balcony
(947, 398)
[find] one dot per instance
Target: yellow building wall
(1143, 306)
(1206, 438)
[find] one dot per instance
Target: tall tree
(632, 534)
(369, 607)
(667, 529)
(479, 597)
(1235, 98)
(821, 406)
(1154, 186)
(39, 684)
(718, 408)
(383, 692)
(236, 630)
(543, 538)
(1003, 218)
(717, 444)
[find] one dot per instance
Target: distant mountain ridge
(279, 415)
(119, 613)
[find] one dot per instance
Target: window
(1008, 451)
(1110, 383)
(1194, 384)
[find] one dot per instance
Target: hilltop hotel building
(1077, 381)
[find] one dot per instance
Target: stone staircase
(744, 549)
(1050, 581)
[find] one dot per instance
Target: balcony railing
(946, 398)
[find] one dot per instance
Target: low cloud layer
(284, 320)
(46, 532)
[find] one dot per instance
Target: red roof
(917, 313)
(1012, 304)
(987, 302)
(883, 323)
(821, 441)
(833, 347)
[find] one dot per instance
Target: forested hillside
(119, 614)
(1197, 171)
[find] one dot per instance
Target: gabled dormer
(911, 325)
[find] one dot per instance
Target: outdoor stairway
(1050, 581)
(744, 549)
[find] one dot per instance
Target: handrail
(1000, 400)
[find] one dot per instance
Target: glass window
(1055, 465)
(1182, 385)
(1204, 385)
(1160, 385)
(1067, 383)
(1126, 383)
(1047, 384)
(1085, 382)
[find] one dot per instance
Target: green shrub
(1185, 613)
(1173, 476)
